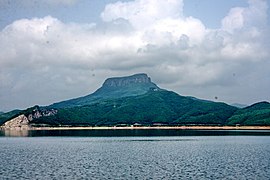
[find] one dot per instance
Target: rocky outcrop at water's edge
(23, 120)
(20, 122)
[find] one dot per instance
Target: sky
(54, 50)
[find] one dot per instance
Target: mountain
(9, 115)
(137, 100)
(160, 106)
(239, 105)
(256, 114)
(113, 88)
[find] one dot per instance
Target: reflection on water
(15, 133)
(132, 132)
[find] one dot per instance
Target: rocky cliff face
(128, 80)
(38, 112)
(24, 120)
(118, 87)
(20, 122)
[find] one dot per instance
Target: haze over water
(187, 156)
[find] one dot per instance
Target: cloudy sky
(53, 50)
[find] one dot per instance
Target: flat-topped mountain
(128, 81)
(136, 99)
(113, 88)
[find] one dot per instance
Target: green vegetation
(136, 100)
(256, 114)
(108, 92)
(162, 106)
(4, 117)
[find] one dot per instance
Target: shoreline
(141, 128)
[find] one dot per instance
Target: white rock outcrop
(20, 122)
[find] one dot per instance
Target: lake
(135, 154)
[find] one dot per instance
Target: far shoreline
(139, 128)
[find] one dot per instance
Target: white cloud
(43, 57)
(234, 20)
(253, 16)
(142, 13)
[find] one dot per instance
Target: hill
(256, 114)
(164, 107)
(137, 100)
(7, 116)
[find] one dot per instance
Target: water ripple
(219, 157)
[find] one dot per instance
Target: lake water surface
(142, 154)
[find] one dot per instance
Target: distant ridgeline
(136, 100)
